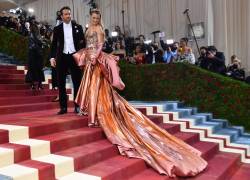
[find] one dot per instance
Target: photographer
(234, 69)
(168, 55)
(58, 18)
(214, 61)
(202, 59)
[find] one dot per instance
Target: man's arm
(220, 58)
(163, 45)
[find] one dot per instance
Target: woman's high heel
(94, 125)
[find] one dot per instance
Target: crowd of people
(21, 23)
(94, 86)
(213, 60)
(132, 50)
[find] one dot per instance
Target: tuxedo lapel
(61, 33)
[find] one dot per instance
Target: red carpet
(31, 117)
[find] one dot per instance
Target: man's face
(141, 40)
(176, 45)
(66, 16)
(183, 43)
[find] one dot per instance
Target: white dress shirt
(69, 46)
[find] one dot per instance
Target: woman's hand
(93, 59)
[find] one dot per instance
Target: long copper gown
(134, 134)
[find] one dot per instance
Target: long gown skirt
(134, 134)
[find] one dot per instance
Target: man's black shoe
(77, 110)
(62, 111)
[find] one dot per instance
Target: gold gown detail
(134, 134)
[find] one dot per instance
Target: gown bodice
(91, 40)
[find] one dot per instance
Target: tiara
(95, 10)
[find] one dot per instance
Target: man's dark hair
(203, 47)
(141, 35)
(184, 39)
(64, 8)
(212, 48)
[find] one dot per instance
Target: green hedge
(14, 44)
(225, 98)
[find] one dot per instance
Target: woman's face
(95, 19)
(183, 43)
(118, 46)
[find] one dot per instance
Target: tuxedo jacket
(57, 45)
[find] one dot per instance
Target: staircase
(37, 144)
(8, 60)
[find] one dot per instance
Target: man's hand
(53, 62)
(210, 55)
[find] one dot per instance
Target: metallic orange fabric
(133, 133)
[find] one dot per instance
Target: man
(214, 61)
(68, 38)
(202, 59)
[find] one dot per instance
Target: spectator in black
(108, 44)
(23, 30)
(120, 36)
(214, 61)
(58, 18)
(158, 54)
(129, 46)
(234, 69)
(12, 24)
(149, 55)
(201, 60)
(35, 62)
(3, 19)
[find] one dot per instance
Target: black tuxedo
(58, 39)
(65, 62)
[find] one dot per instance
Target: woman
(133, 133)
(119, 50)
(139, 56)
(185, 53)
(35, 64)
